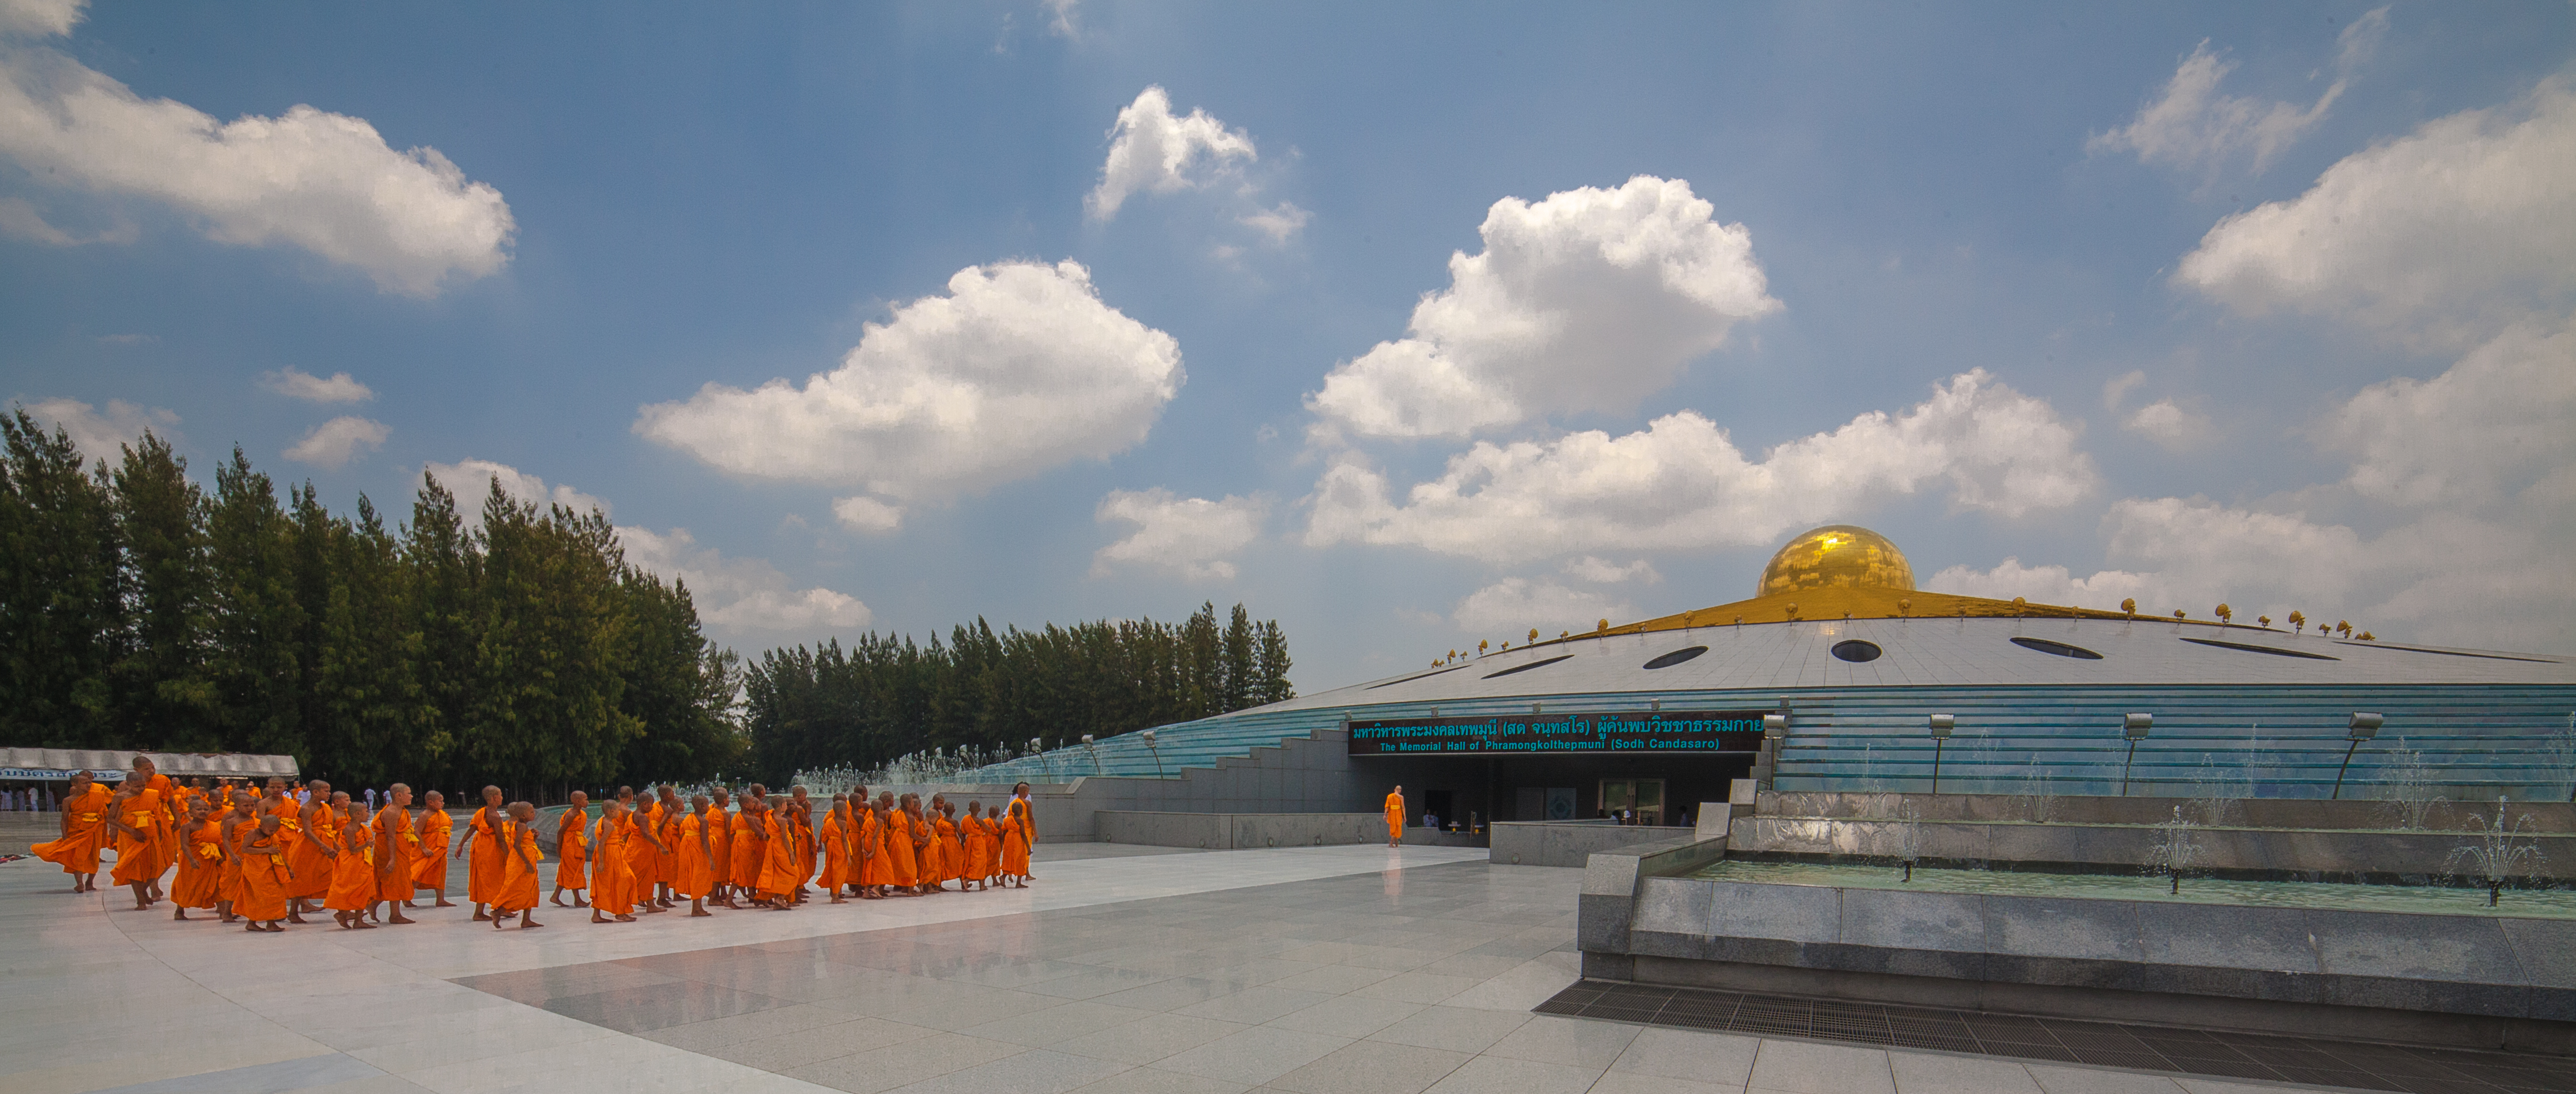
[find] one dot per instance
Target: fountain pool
(2332, 896)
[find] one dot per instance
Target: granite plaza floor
(1341, 970)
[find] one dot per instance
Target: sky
(1408, 325)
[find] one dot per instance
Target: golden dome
(1836, 556)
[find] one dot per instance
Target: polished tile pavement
(1350, 970)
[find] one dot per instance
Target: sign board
(1701, 731)
(47, 774)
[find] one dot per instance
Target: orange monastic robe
(314, 870)
(979, 848)
(237, 832)
(77, 851)
(952, 856)
(353, 878)
(402, 849)
(482, 859)
(902, 868)
(747, 854)
(572, 849)
(778, 874)
(264, 879)
(643, 863)
(436, 829)
(165, 822)
(1015, 839)
(1395, 816)
(696, 877)
(719, 827)
(666, 862)
(871, 851)
(612, 877)
(139, 859)
(201, 867)
(518, 887)
(836, 855)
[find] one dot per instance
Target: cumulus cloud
(1191, 536)
(296, 383)
(739, 595)
(1151, 150)
(102, 436)
(1586, 301)
(1681, 483)
(868, 514)
(2051, 585)
(325, 182)
(2460, 226)
(1062, 20)
(1514, 606)
(2167, 423)
(1602, 571)
(334, 442)
(1019, 368)
(20, 217)
(2195, 127)
(471, 482)
(2491, 427)
(1279, 223)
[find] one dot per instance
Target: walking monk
(979, 848)
(697, 868)
(666, 830)
(1015, 839)
(946, 862)
(172, 807)
(744, 853)
(643, 852)
(436, 828)
(84, 825)
(313, 856)
(612, 881)
(353, 870)
(133, 813)
(237, 827)
(483, 867)
(903, 847)
(201, 861)
(719, 829)
(1395, 816)
(572, 850)
(265, 877)
(517, 894)
(397, 845)
(800, 828)
(778, 874)
(835, 839)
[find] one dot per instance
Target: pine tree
(61, 612)
(255, 624)
(163, 697)
(1274, 665)
(444, 583)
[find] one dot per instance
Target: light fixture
(2134, 725)
(1941, 725)
(2362, 726)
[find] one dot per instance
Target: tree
(61, 604)
(255, 627)
(163, 697)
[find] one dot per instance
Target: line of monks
(267, 859)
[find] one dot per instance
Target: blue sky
(1116, 304)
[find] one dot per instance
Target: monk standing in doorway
(1395, 816)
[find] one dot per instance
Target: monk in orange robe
(517, 893)
(903, 851)
(979, 854)
(945, 861)
(871, 862)
(800, 828)
(666, 862)
(835, 842)
(482, 840)
(314, 857)
(172, 807)
(353, 870)
(1395, 817)
(572, 850)
(84, 820)
(744, 853)
(778, 872)
(133, 813)
(265, 877)
(643, 851)
(237, 827)
(436, 829)
(719, 830)
(397, 846)
(697, 870)
(201, 862)
(611, 878)
(1015, 839)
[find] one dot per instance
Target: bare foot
(443, 902)
(399, 918)
(699, 912)
(625, 918)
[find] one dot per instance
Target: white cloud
(1191, 536)
(1018, 369)
(868, 514)
(2168, 424)
(1062, 20)
(40, 18)
(103, 436)
(471, 482)
(296, 383)
(1151, 150)
(2485, 430)
(2049, 585)
(1514, 606)
(1681, 484)
(739, 595)
(20, 217)
(1602, 571)
(2465, 224)
(321, 181)
(2194, 127)
(332, 443)
(1279, 223)
(1586, 301)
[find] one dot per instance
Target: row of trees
(886, 696)
(138, 610)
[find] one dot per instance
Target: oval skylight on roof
(1676, 657)
(1527, 667)
(1856, 651)
(2059, 648)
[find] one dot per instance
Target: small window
(2059, 648)
(1527, 667)
(1676, 657)
(2259, 649)
(1856, 651)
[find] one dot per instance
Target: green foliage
(885, 696)
(138, 612)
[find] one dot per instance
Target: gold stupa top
(1836, 556)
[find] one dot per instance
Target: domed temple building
(1839, 674)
